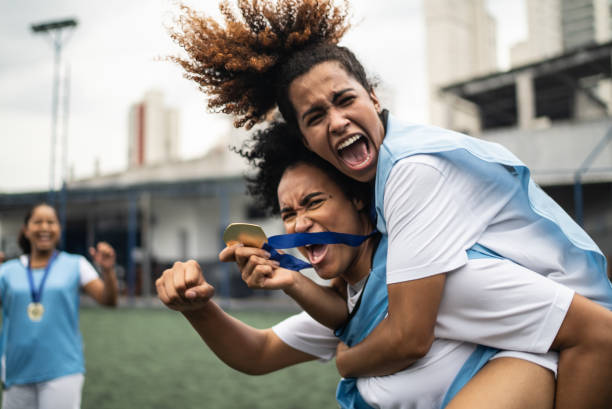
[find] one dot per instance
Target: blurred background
(93, 120)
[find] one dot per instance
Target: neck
(363, 262)
(40, 257)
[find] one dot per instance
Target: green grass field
(152, 358)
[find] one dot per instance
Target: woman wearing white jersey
(431, 188)
(312, 192)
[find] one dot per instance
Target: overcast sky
(112, 56)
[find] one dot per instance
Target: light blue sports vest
(372, 309)
(41, 351)
(403, 140)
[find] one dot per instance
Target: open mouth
(355, 151)
(316, 253)
(44, 238)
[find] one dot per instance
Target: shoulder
(13, 264)
(422, 161)
(68, 260)
(416, 175)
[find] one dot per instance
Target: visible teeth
(348, 142)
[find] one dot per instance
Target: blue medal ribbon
(286, 241)
(37, 294)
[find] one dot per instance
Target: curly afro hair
(237, 63)
(275, 149)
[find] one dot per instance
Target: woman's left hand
(340, 350)
(104, 256)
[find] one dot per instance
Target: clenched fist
(183, 287)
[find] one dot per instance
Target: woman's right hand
(256, 268)
(183, 287)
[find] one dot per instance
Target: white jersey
(422, 386)
(456, 209)
(514, 308)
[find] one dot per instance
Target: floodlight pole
(55, 30)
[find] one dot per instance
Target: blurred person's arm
(105, 290)
(326, 304)
(242, 347)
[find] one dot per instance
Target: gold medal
(250, 235)
(35, 311)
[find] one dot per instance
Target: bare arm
(403, 337)
(325, 304)
(242, 347)
(104, 290)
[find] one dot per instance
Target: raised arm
(325, 304)
(242, 347)
(105, 290)
(404, 336)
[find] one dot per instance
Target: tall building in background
(558, 26)
(153, 132)
(544, 38)
(461, 43)
(584, 22)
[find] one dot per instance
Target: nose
(302, 223)
(337, 122)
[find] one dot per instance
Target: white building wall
(160, 128)
(602, 20)
(155, 128)
(196, 221)
(544, 38)
(460, 44)
(554, 154)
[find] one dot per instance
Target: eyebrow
(303, 201)
(334, 98)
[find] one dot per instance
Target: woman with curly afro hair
(439, 196)
(306, 190)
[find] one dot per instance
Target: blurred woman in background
(42, 351)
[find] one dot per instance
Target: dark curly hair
(247, 64)
(275, 149)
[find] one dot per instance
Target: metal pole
(57, 49)
(54, 29)
(224, 209)
(584, 168)
(578, 200)
(131, 245)
(146, 245)
(63, 194)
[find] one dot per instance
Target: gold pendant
(35, 311)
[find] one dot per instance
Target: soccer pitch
(152, 358)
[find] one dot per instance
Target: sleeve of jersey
(87, 272)
(305, 334)
(428, 221)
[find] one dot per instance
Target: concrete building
(544, 38)
(584, 22)
(553, 115)
(557, 26)
(153, 135)
(461, 43)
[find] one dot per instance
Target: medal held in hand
(35, 308)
